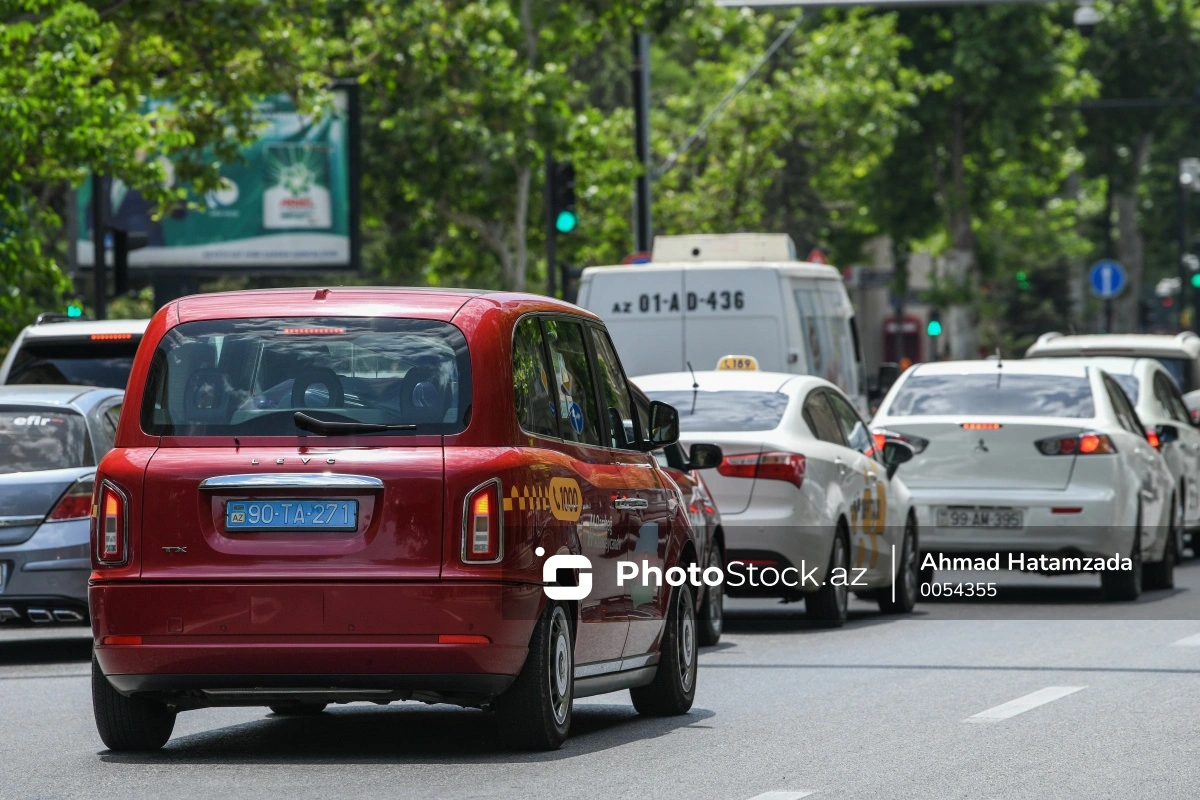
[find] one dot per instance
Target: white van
(707, 296)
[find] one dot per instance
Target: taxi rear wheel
(712, 610)
(674, 686)
(535, 712)
(1161, 574)
(828, 605)
(1126, 585)
(128, 723)
(908, 577)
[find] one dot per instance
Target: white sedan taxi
(811, 506)
(1042, 464)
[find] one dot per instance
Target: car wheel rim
(909, 557)
(560, 665)
(687, 640)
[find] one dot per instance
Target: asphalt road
(1048, 693)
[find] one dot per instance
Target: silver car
(51, 438)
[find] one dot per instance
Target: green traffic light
(934, 328)
(74, 311)
(1196, 280)
(566, 221)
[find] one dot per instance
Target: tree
(75, 81)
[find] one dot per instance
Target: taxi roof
(83, 328)
(358, 301)
(1182, 345)
(1115, 365)
(725, 381)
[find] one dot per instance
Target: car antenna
(695, 385)
(999, 365)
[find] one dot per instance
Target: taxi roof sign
(738, 363)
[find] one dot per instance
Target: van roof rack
(51, 317)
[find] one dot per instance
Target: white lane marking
(780, 795)
(1023, 704)
(1188, 641)
(895, 575)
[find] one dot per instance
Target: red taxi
(339, 495)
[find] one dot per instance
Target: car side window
(1168, 397)
(852, 426)
(820, 419)
(614, 393)
(533, 394)
(1121, 407)
(573, 379)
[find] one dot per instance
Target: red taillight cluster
(1085, 444)
(773, 466)
(881, 435)
(483, 533)
(76, 502)
(110, 527)
(1153, 439)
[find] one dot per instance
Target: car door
(647, 503)
(1184, 454)
(589, 468)
(829, 464)
(1141, 459)
(870, 545)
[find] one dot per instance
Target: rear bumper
(48, 571)
(211, 638)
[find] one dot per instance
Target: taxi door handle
(631, 503)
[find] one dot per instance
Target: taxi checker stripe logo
(562, 498)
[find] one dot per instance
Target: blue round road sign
(1107, 278)
(575, 415)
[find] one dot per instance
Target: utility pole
(99, 267)
(551, 233)
(644, 232)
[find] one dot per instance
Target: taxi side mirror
(705, 456)
(664, 426)
(895, 453)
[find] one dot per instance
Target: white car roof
(727, 381)
(67, 330)
(1183, 345)
(1114, 365)
(1037, 366)
(795, 269)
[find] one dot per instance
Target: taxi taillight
(1085, 444)
(772, 466)
(110, 526)
(483, 531)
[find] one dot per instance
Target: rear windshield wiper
(305, 422)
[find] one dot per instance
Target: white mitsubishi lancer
(810, 503)
(1042, 462)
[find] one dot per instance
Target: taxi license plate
(980, 518)
(291, 515)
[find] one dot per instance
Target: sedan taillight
(76, 502)
(110, 526)
(773, 466)
(1085, 444)
(483, 533)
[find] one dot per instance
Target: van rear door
(735, 310)
(643, 308)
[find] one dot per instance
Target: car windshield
(35, 438)
(80, 362)
(725, 411)
(991, 394)
(249, 377)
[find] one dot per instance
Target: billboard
(290, 203)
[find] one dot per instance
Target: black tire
(1161, 574)
(908, 576)
(924, 579)
(298, 709)
(674, 686)
(827, 607)
(1126, 585)
(128, 723)
(711, 619)
(535, 712)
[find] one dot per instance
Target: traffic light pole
(644, 233)
(99, 267)
(551, 230)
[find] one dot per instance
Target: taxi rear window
(249, 377)
(725, 411)
(989, 394)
